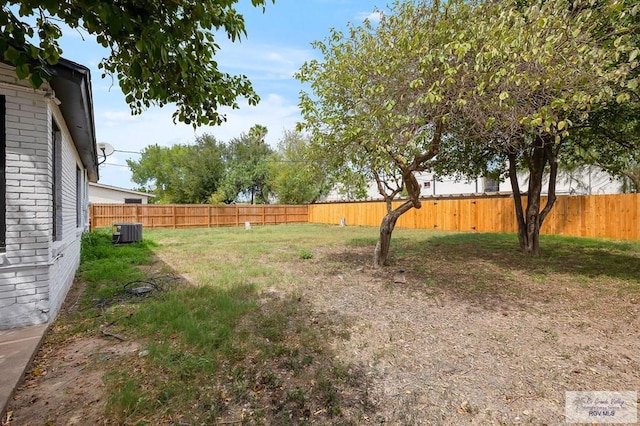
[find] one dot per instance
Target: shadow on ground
(488, 270)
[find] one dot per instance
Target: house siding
(35, 273)
(65, 254)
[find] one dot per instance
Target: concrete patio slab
(18, 347)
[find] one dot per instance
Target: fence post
(173, 209)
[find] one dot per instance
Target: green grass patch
(106, 267)
(216, 344)
(203, 318)
(363, 241)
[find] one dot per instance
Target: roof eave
(71, 83)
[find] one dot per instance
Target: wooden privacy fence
(605, 216)
(194, 215)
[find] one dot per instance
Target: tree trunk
(384, 242)
(517, 199)
(388, 223)
(531, 220)
(532, 214)
(410, 183)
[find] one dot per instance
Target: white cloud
(262, 61)
(371, 16)
(274, 111)
(115, 118)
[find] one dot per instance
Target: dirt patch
(442, 355)
(65, 386)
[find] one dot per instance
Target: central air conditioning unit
(127, 232)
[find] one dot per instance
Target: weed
(305, 254)
(329, 394)
(362, 242)
(129, 400)
(344, 334)
(270, 380)
(307, 359)
(106, 268)
(430, 282)
(296, 396)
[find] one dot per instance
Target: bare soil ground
(501, 353)
(441, 356)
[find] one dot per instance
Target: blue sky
(278, 43)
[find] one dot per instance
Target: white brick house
(47, 157)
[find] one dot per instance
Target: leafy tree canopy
(181, 173)
(295, 177)
(610, 138)
(247, 168)
(530, 78)
(161, 51)
(463, 86)
(611, 142)
(381, 99)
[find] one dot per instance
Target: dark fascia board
(71, 83)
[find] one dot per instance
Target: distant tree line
(244, 169)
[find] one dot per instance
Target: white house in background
(47, 157)
(99, 193)
(588, 180)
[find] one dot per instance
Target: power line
(113, 164)
(128, 152)
(269, 161)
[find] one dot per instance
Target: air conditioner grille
(127, 232)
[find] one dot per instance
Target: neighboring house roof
(115, 188)
(71, 83)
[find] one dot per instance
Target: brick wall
(65, 253)
(35, 273)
